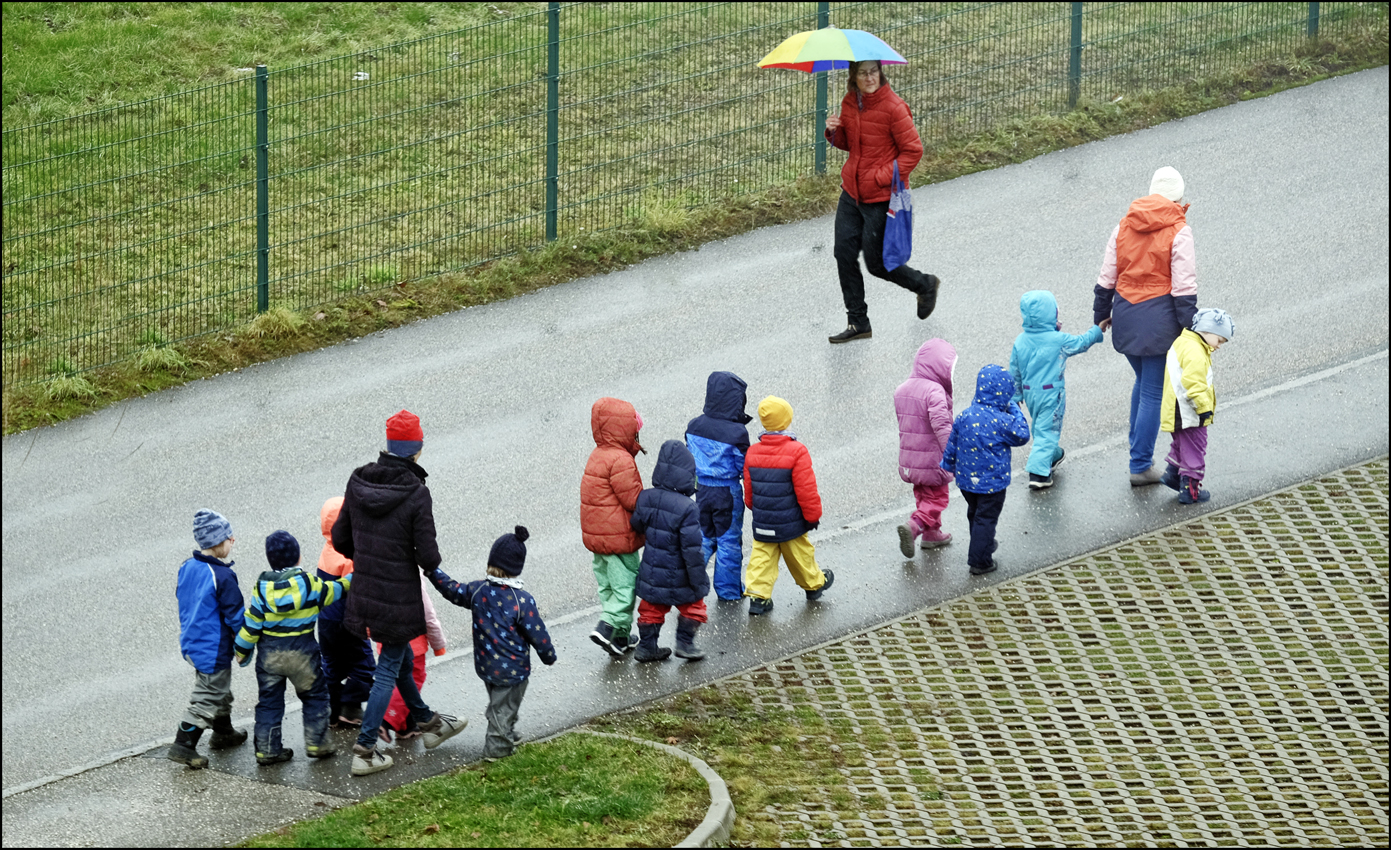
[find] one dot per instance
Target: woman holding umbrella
(876, 127)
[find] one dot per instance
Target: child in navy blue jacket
(672, 572)
(719, 439)
(506, 624)
(978, 453)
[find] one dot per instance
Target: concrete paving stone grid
(1221, 682)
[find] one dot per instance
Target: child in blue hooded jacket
(719, 439)
(672, 573)
(978, 453)
(1036, 364)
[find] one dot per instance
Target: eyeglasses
(874, 72)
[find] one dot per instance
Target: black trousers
(860, 227)
(983, 513)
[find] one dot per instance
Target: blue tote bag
(898, 226)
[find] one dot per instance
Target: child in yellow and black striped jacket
(280, 619)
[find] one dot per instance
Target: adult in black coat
(672, 573)
(387, 528)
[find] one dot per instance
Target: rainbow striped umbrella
(828, 48)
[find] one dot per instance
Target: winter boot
(1146, 478)
(927, 299)
(648, 650)
(224, 735)
(905, 541)
(367, 761)
(1171, 477)
(934, 537)
(603, 637)
(686, 629)
(624, 644)
(285, 754)
(851, 332)
(441, 728)
(349, 714)
(758, 606)
(814, 595)
(1191, 491)
(184, 750)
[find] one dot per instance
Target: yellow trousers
(763, 566)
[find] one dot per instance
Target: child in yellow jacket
(1190, 400)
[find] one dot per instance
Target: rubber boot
(648, 650)
(184, 750)
(685, 639)
(224, 735)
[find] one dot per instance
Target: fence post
(823, 19)
(1313, 20)
(1074, 59)
(262, 194)
(552, 115)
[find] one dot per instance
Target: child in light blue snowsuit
(719, 439)
(1036, 364)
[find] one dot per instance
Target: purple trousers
(1188, 451)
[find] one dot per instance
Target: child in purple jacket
(506, 624)
(924, 407)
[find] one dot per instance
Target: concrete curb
(719, 818)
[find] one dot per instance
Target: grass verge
(572, 791)
(659, 229)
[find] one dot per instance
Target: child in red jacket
(780, 489)
(608, 494)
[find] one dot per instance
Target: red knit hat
(403, 435)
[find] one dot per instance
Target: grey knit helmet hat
(1213, 321)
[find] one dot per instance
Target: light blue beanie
(1213, 321)
(210, 528)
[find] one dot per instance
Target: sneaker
(367, 761)
(934, 537)
(285, 754)
(1170, 477)
(323, 751)
(441, 728)
(1057, 463)
(980, 571)
(759, 606)
(603, 637)
(851, 332)
(905, 541)
(927, 301)
(1146, 478)
(815, 595)
(1040, 482)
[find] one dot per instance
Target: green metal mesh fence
(138, 226)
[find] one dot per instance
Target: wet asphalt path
(1290, 200)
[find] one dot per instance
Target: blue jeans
(1146, 397)
(393, 672)
(295, 659)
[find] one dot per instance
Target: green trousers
(617, 577)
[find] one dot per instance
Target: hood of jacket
(934, 361)
(994, 387)
(1151, 213)
(675, 469)
(614, 423)
(284, 591)
(328, 515)
(1040, 311)
(726, 396)
(331, 561)
(380, 487)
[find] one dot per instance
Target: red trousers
(931, 501)
(649, 613)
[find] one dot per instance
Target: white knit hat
(1167, 182)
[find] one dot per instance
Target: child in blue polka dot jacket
(506, 625)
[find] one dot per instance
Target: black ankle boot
(224, 735)
(648, 650)
(685, 639)
(852, 331)
(184, 750)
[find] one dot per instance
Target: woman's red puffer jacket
(876, 129)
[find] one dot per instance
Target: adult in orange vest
(1146, 294)
(876, 127)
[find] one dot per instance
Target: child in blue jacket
(719, 439)
(672, 572)
(506, 624)
(1036, 364)
(978, 453)
(210, 612)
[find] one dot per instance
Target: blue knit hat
(210, 528)
(282, 550)
(509, 552)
